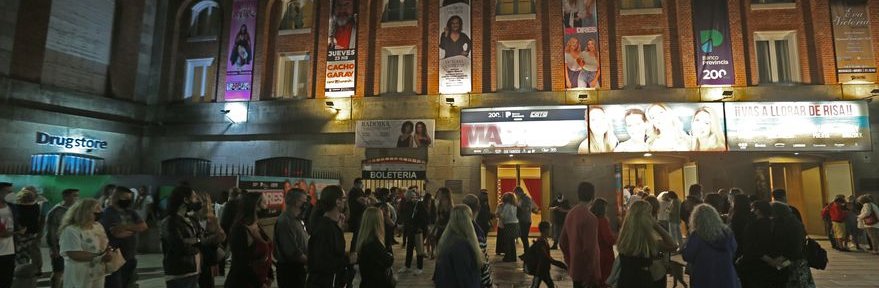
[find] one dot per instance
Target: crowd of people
(732, 239)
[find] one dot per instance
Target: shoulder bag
(115, 263)
(872, 219)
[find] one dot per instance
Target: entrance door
(811, 200)
(530, 178)
(838, 177)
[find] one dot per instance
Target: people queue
(733, 239)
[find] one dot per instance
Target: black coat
(375, 265)
(179, 257)
(327, 257)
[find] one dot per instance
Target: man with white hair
(343, 25)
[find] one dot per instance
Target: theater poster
(342, 49)
(412, 133)
(714, 59)
(855, 61)
(798, 126)
(239, 69)
(523, 130)
(582, 61)
(456, 47)
(656, 127)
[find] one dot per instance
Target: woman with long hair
(459, 260)
(709, 250)
(430, 240)
(756, 268)
(406, 140)
(453, 41)
(591, 70)
(739, 218)
(707, 131)
(181, 239)
(573, 63)
(251, 247)
(606, 239)
(422, 138)
(375, 259)
(641, 241)
(443, 211)
(213, 235)
(510, 223)
(789, 238)
(601, 137)
(84, 246)
(668, 131)
(242, 53)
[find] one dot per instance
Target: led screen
(656, 127)
(798, 126)
(523, 130)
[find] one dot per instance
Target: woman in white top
(574, 64)
(506, 214)
(590, 67)
(84, 246)
(868, 211)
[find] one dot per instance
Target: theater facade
(478, 94)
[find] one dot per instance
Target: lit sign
(523, 130)
(70, 142)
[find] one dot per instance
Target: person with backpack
(868, 220)
(538, 259)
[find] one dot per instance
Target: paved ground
(855, 270)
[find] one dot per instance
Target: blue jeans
(187, 282)
(124, 277)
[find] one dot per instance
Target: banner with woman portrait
(455, 47)
(239, 69)
(855, 61)
(342, 49)
(582, 61)
(657, 127)
(411, 133)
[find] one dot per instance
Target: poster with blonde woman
(582, 69)
(657, 127)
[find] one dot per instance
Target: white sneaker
(403, 270)
(417, 272)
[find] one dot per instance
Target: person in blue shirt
(122, 224)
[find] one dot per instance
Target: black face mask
(97, 216)
(124, 203)
(193, 206)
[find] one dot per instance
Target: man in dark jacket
(484, 216)
(694, 198)
(415, 225)
(327, 260)
(356, 206)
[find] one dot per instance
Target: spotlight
(875, 92)
(450, 101)
(332, 105)
(727, 93)
(225, 111)
(511, 155)
(647, 154)
(583, 96)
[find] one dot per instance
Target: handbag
(872, 219)
(115, 262)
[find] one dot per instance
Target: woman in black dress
(406, 139)
(453, 40)
(422, 137)
(251, 247)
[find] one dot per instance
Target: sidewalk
(850, 270)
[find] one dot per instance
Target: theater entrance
(534, 178)
(810, 181)
(660, 173)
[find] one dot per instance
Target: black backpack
(532, 259)
(815, 255)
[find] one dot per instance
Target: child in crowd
(538, 259)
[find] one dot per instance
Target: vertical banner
(239, 69)
(342, 50)
(851, 38)
(455, 47)
(714, 59)
(582, 62)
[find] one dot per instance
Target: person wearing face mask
(213, 237)
(181, 239)
(83, 244)
(327, 258)
(291, 242)
(28, 258)
(560, 207)
(251, 247)
(123, 224)
(53, 225)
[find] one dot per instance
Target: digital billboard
(798, 126)
(657, 127)
(523, 130)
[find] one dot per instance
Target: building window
(643, 63)
(186, 167)
(298, 14)
(400, 10)
(204, 21)
(777, 57)
(398, 70)
(292, 75)
(65, 164)
(283, 167)
(516, 66)
(771, 1)
(641, 4)
(198, 72)
(513, 7)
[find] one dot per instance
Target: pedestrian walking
(579, 240)
(510, 222)
(606, 238)
(459, 259)
(291, 242)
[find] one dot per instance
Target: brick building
(149, 80)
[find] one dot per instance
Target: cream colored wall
(811, 201)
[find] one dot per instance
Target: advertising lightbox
(657, 127)
(523, 130)
(798, 126)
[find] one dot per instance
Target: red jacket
(836, 211)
